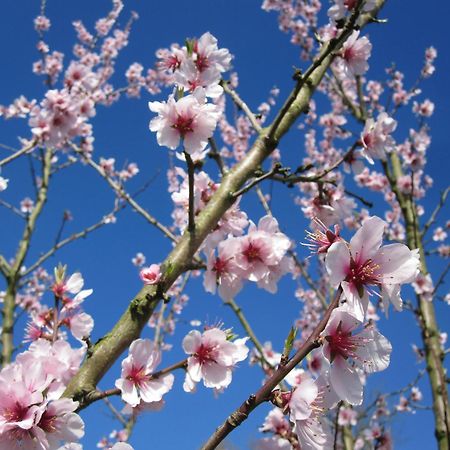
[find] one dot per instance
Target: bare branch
(18, 153)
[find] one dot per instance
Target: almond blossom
(137, 382)
(347, 349)
(355, 53)
(212, 358)
(342, 7)
(150, 275)
(364, 264)
(261, 249)
(3, 183)
(189, 119)
(376, 139)
(222, 272)
(307, 404)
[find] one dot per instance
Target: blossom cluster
(350, 349)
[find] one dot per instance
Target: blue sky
(263, 58)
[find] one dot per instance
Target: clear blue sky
(264, 58)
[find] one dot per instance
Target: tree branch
(18, 153)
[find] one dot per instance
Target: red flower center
(183, 125)
(252, 253)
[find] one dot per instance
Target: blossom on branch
(376, 137)
(212, 358)
(189, 119)
(347, 350)
(363, 264)
(355, 53)
(137, 381)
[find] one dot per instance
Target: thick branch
(429, 328)
(22, 250)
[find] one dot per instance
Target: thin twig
(116, 413)
(18, 153)
(436, 211)
(64, 242)
(215, 155)
(120, 191)
(248, 329)
(12, 208)
(441, 279)
(242, 105)
(275, 169)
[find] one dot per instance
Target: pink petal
(368, 239)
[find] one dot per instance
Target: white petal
(337, 262)
(346, 382)
(368, 239)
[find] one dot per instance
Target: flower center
(220, 266)
(202, 62)
(252, 253)
(363, 274)
(137, 375)
(205, 353)
(183, 125)
(16, 414)
(48, 423)
(349, 54)
(341, 343)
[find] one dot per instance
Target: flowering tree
(223, 156)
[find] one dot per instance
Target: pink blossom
(58, 360)
(137, 382)
(424, 109)
(416, 394)
(212, 357)
(3, 183)
(346, 349)
(322, 238)
(207, 54)
(42, 23)
(376, 139)
(151, 275)
(306, 404)
(423, 285)
(355, 53)
(190, 78)
(347, 416)
(138, 260)
(222, 272)
(26, 205)
(190, 119)
(259, 252)
(275, 422)
(364, 263)
(342, 7)
(439, 234)
(269, 354)
(19, 408)
(59, 423)
(121, 446)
